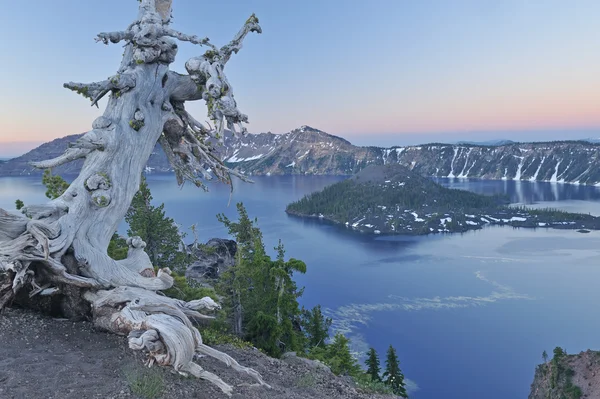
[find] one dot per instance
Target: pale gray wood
(146, 105)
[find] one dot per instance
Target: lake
(469, 314)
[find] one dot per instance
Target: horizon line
(366, 134)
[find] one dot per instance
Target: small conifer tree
(372, 363)
(340, 359)
(316, 326)
(159, 232)
(393, 377)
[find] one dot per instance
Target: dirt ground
(50, 358)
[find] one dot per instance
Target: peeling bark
(59, 248)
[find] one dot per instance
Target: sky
(377, 72)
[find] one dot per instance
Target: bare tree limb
(82, 147)
(188, 38)
(71, 154)
(235, 45)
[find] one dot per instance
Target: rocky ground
(55, 358)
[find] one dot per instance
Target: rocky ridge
(307, 150)
(572, 377)
(311, 151)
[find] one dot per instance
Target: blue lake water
(468, 314)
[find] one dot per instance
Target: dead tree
(60, 248)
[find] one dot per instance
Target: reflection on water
(525, 192)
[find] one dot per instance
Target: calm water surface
(469, 314)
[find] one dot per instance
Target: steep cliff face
(572, 161)
(569, 377)
(308, 151)
(311, 151)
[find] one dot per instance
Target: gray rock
(213, 258)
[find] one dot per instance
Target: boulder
(212, 259)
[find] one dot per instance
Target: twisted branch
(235, 45)
(183, 142)
(207, 71)
(89, 142)
(161, 326)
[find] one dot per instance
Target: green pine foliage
(340, 359)
(367, 384)
(218, 334)
(392, 376)
(373, 368)
(188, 290)
(55, 185)
(260, 295)
(315, 326)
(117, 247)
(400, 187)
(159, 232)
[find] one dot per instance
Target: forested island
(391, 199)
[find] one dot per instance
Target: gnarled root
(161, 326)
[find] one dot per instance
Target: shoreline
(590, 223)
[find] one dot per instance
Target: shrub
(188, 290)
(146, 383)
(367, 384)
(215, 335)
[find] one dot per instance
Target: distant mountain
(307, 150)
(302, 151)
(311, 151)
(391, 199)
(491, 143)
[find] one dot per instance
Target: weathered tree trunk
(145, 105)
